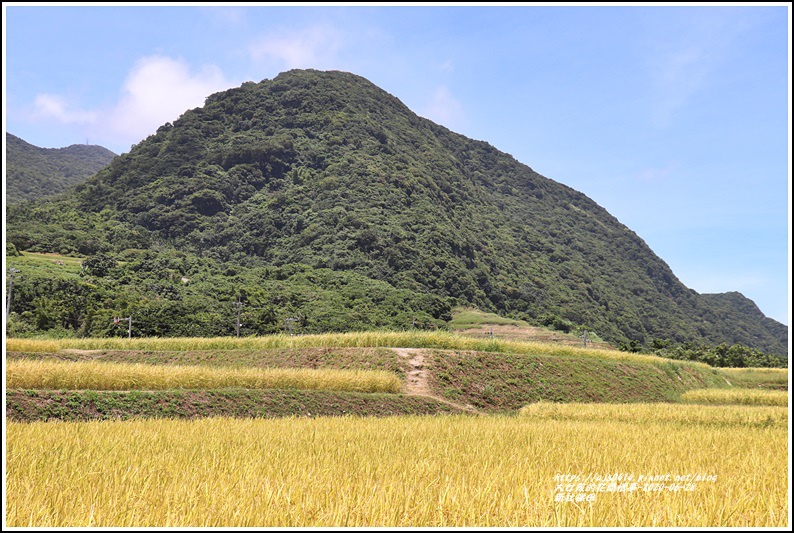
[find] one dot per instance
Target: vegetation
(83, 405)
(90, 457)
(467, 318)
(320, 197)
(660, 413)
(504, 382)
(488, 375)
(33, 172)
(410, 339)
(762, 378)
(736, 397)
(176, 294)
(339, 358)
(733, 356)
(398, 472)
(44, 374)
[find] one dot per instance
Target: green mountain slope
(326, 169)
(34, 172)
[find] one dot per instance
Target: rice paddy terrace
(386, 429)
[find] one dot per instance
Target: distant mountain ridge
(34, 172)
(327, 170)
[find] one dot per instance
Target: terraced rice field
(533, 470)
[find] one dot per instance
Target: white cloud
(157, 90)
(54, 106)
(313, 47)
(444, 109)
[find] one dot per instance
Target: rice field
(80, 375)
(736, 397)
(660, 413)
(524, 471)
(552, 465)
(367, 339)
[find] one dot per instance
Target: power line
(238, 322)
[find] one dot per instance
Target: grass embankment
(32, 405)
(51, 266)
(760, 378)
(496, 380)
(158, 367)
(475, 323)
(464, 318)
(506, 382)
(736, 397)
(489, 381)
(396, 472)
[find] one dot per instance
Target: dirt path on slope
(416, 383)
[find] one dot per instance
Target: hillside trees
(327, 171)
(173, 293)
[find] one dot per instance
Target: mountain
(34, 172)
(326, 170)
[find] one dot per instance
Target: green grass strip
(83, 405)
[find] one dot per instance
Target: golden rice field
(73, 375)
(401, 471)
(660, 413)
(367, 339)
(736, 397)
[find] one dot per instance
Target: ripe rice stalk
(366, 339)
(736, 397)
(660, 413)
(93, 375)
(395, 472)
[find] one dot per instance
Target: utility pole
(239, 310)
(129, 327)
(11, 272)
(239, 323)
(584, 338)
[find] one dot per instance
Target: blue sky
(675, 119)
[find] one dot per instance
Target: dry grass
(367, 339)
(73, 375)
(736, 397)
(659, 413)
(390, 472)
(769, 378)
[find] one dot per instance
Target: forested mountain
(326, 170)
(33, 172)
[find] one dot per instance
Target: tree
(98, 265)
